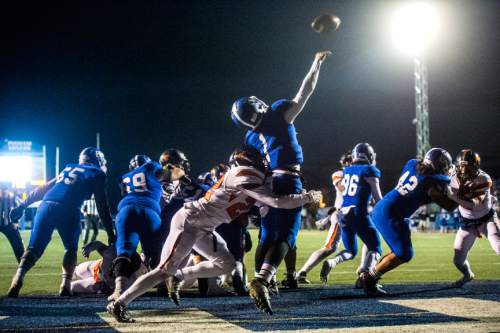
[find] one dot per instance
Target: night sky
(154, 75)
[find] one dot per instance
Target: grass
(432, 262)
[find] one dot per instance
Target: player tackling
(193, 227)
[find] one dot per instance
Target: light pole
(414, 26)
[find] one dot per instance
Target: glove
(16, 213)
(86, 250)
(315, 196)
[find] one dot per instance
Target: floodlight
(414, 26)
(16, 169)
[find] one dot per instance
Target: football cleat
(273, 286)
(258, 291)
(325, 270)
(302, 278)
(371, 286)
(358, 284)
(239, 286)
(462, 281)
(119, 312)
(290, 281)
(174, 286)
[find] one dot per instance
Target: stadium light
(16, 170)
(414, 27)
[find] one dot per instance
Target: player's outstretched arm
(264, 195)
(375, 188)
(307, 87)
(101, 202)
(93, 246)
(36, 195)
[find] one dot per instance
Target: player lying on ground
(421, 182)
(193, 227)
(333, 237)
(471, 189)
(96, 276)
(138, 218)
(360, 183)
(62, 198)
(271, 130)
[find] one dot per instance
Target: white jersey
(337, 177)
(481, 186)
(234, 194)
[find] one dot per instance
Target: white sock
(266, 272)
(364, 251)
(314, 259)
(341, 257)
(142, 285)
(370, 260)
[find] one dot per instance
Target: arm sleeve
(101, 202)
(375, 188)
(38, 193)
(264, 195)
(305, 91)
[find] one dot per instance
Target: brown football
(325, 23)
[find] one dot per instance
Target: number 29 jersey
(143, 187)
(412, 190)
(75, 184)
(357, 192)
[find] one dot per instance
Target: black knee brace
(123, 267)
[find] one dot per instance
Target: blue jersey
(357, 192)
(275, 138)
(75, 184)
(412, 190)
(143, 187)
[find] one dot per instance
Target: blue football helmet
(364, 152)
(93, 156)
(137, 161)
(439, 159)
(248, 112)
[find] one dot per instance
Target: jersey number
(138, 183)
(350, 185)
(402, 188)
(70, 175)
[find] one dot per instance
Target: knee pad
(123, 267)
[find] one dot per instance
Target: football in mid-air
(325, 23)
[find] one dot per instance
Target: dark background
(152, 75)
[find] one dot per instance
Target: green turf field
(432, 262)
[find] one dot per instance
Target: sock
(266, 272)
(315, 258)
(142, 285)
(369, 261)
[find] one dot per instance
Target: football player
(360, 183)
(471, 189)
(96, 276)
(333, 237)
(271, 130)
(62, 198)
(194, 226)
(138, 218)
(421, 182)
